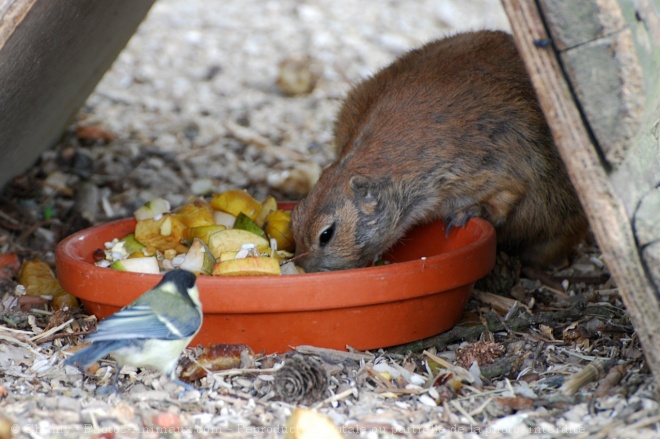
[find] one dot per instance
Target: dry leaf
(516, 403)
(94, 133)
(483, 352)
(214, 358)
(9, 266)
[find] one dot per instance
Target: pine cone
(301, 380)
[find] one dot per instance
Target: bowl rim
(283, 293)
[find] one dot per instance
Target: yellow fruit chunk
(236, 201)
(269, 205)
(196, 213)
(249, 266)
(163, 234)
(202, 233)
(278, 227)
(39, 280)
(233, 239)
(309, 424)
(225, 256)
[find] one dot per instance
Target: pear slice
(131, 245)
(199, 258)
(243, 222)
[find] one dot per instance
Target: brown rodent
(451, 130)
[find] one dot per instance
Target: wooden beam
(52, 54)
(607, 216)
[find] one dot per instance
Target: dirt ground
(192, 105)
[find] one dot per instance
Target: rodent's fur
(451, 130)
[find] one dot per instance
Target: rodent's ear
(364, 188)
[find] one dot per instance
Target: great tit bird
(150, 332)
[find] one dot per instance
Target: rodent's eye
(326, 235)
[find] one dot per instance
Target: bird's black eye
(326, 235)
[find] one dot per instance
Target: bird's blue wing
(140, 322)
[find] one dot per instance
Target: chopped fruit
(152, 209)
(199, 258)
(250, 266)
(243, 222)
(164, 233)
(278, 227)
(139, 265)
(196, 213)
(233, 240)
(131, 245)
(224, 219)
(202, 232)
(269, 205)
(235, 202)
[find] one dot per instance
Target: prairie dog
(451, 131)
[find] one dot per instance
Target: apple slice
(152, 209)
(147, 265)
(202, 232)
(224, 219)
(236, 201)
(278, 227)
(233, 239)
(269, 205)
(249, 266)
(196, 213)
(163, 234)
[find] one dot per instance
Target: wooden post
(607, 216)
(52, 54)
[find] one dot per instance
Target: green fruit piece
(199, 258)
(131, 245)
(138, 265)
(243, 222)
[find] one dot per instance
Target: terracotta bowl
(422, 293)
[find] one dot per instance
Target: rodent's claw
(458, 219)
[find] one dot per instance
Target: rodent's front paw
(460, 218)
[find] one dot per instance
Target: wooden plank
(606, 213)
(598, 55)
(573, 23)
(52, 54)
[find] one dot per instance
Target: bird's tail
(95, 352)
